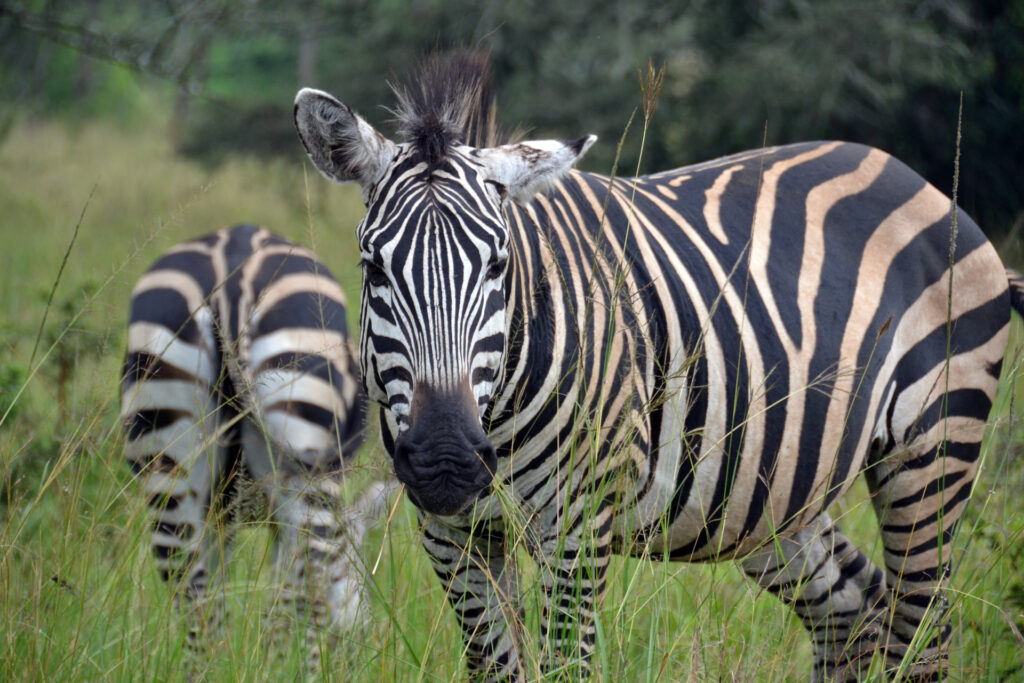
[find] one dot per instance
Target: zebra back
(240, 325)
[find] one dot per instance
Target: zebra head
(436, 248)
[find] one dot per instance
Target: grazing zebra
(241, 399)
(692, 364)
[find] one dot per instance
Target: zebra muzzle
(441, 481)
(444, 458)
(444, 475)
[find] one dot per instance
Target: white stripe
(157, 340)
(297, 435)
(289, 385)
(327, 343)
(169, 394)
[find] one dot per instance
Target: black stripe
(303, 310)
(237, 250)
(963, 452)
(942, 483)
(481, 375)
(142, 422)
(139, 366)
(193, 264)
(310, 412)
(305, 363)
(276, 266)
(163, 501)
(183, 531)
(168, 308)
(787, 244)
(948, 503)
(492, 343)
(970, 331)
(153, 462)
(974, 403)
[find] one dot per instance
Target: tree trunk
(307, 53)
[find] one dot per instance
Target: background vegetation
(126, 127)
(739, 74)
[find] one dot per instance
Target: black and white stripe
(692, 364)
(240, 399)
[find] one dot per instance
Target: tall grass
(80, 598)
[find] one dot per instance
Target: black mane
(447, 102)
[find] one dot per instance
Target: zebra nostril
(487, 455)
(403, 451)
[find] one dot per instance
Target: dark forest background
(738, 74)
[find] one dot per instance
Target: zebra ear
(338, 141)
(527, 168)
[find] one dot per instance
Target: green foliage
(12, 379)
(259, 70)
(889, 74)
(39, 76)
(68, 342)
(738, 74)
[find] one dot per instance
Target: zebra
(690, 365)
(240, 401)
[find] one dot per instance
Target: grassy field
(80, 598)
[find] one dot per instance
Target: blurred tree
(738, 73)
(882, 72)
(48, 49)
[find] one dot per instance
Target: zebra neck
(542, 347)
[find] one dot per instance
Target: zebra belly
(750, 448)
(705, 525)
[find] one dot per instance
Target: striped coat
(691, 364)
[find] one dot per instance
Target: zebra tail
(1016, 290)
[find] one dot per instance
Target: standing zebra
(692, 364)
(241, 398)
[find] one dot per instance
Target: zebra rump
(241, 401)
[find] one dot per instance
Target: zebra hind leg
(189, 539)
(172, 448)
(318, 564)
(918, 499)
(839, 595)
(920, 486)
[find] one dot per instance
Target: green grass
(80, 598)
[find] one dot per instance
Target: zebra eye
(374, 274)
(496, 268)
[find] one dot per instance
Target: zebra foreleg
(839, 595)
(483, 590)
(574, 562)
